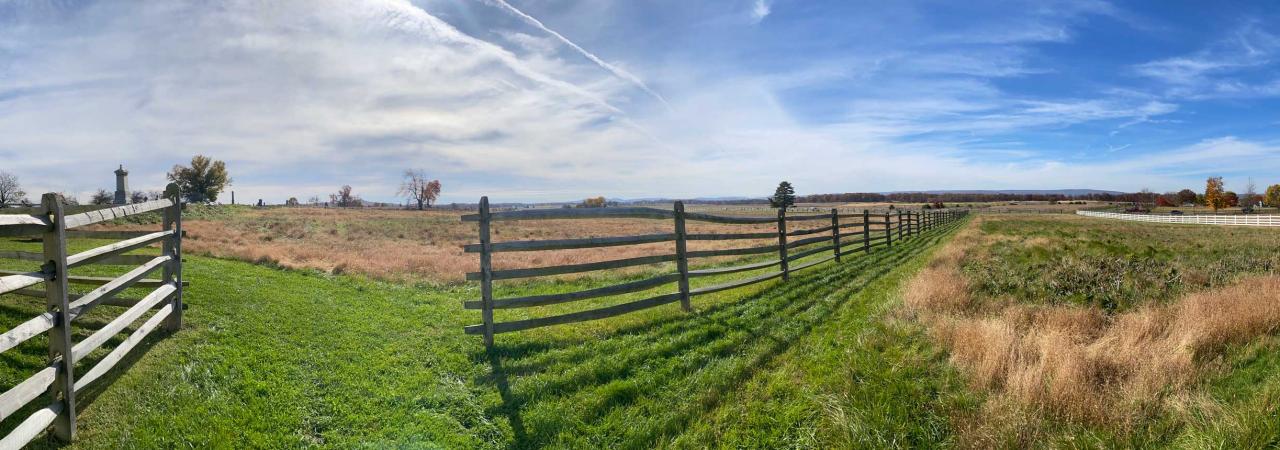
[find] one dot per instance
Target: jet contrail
(616, 71)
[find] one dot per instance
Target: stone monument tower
(122, 186)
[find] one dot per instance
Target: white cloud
(759, 10)
(1211, 71)
(299, 95)
(615, 70)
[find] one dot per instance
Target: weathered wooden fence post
(866, 231)
(682, 259)
(899, 225)
(63, 390)
(835, 232)
(486, 273)
(172, 246)
(888, 231)
(782, 243)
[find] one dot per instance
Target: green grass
(278, 358)
(1114, 264)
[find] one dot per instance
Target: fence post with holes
(888, 232)
(835, 232)
(682, 259)
(486, 273)
(782, 243)
(172, 246)
(866, 231)
(899, 225)
(63, 390)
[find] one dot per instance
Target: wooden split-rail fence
(839, 233)
(58, 382)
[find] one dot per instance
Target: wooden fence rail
(834, 237)
(58, 381)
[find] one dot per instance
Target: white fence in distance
(1254, 220)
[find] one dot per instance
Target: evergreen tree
(784, 197)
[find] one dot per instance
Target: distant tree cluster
(101, 197)
(594, 202)
(11, 190)
(202, 181)
(344, 198)
(418, 188)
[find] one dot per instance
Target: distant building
(122, 187)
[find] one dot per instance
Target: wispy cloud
(1215, 70)
(297, 95)
(615, 70)
(759, 10)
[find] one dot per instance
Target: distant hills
(1066, 192)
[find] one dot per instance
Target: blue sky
(529, 100)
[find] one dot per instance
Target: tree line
(205, 179)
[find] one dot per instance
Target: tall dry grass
(1077, 362)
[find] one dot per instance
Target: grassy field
(1087, 332)
(278, 358)
(1022, 331)
(400, 245)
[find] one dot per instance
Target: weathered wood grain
(730, 236)
(733, 251)
(804, 242)
(13, 281)
(574, 268)
(118, 353)
(809, 231)
(116, 212)
(103, 252)
(735, 284)
(552, 299)
(580, 316)
(733, 269)
(564, 244)
(26, 391)
(35, 424)
(118, 324)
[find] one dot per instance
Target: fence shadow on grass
(667, 353)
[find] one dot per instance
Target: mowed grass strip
(277, 358)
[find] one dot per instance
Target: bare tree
(416, 187)
(138, 197)
(10, 190)
(344, 198)
(102, 197)
(1250, 197)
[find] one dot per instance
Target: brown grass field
(1049, 354)
(404, 245)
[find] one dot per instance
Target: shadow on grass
(731, 340)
